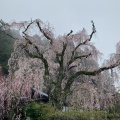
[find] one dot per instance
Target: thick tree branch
(90, 73)
(39, 56)
(60, 59)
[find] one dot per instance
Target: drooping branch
(42, 31)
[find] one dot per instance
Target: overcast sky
(66, 15)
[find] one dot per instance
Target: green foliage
(41, 111)
(114, 111)
(35, 111)
(3, 59)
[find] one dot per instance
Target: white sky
(65, 15)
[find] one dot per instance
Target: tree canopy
(63, 57)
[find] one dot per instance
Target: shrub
(37, 111)
(41, 111)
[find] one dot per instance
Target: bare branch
(70, 33)
(93, 30)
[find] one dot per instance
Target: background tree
(6, 45)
